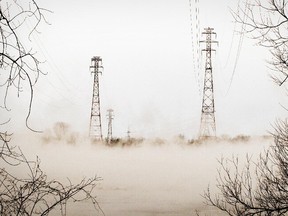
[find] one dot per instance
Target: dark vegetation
(120, 142)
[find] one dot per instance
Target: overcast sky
(149, 78)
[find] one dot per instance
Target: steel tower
(128, 134)
(95, 119)
(110, 118)
(208, 125)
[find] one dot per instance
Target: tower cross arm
(209, 32)
(208, 41)
(205, 50)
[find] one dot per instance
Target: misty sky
(148, 78)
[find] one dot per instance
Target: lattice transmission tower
(208, 125)
(128, 135)
(95, 119)
(110, 117)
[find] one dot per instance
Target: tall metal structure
(208, 125)
(95, 119)
(128, 134)
(110, 118)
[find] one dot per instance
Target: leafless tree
(259, 188)
(60, 130)
(267, 22)
(18, 62)
(31, 191)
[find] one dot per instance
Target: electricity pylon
(208, 125)
(128, 134)
(95, 119)
(110, 118)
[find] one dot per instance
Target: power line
(240, 43)
(197, 23)
(68, 87)
(233, 37)
(193, 39)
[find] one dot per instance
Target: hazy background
(148, 78)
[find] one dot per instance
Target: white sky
(148, 76)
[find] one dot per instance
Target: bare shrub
(261, 190)
(32, 193)
(60, 132)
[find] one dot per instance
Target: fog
(146, 179)
(151, 82)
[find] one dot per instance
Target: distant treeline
(61, 133)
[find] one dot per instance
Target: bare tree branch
(262, 190)
(18, 64)
(267, 22)
(35, 194)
